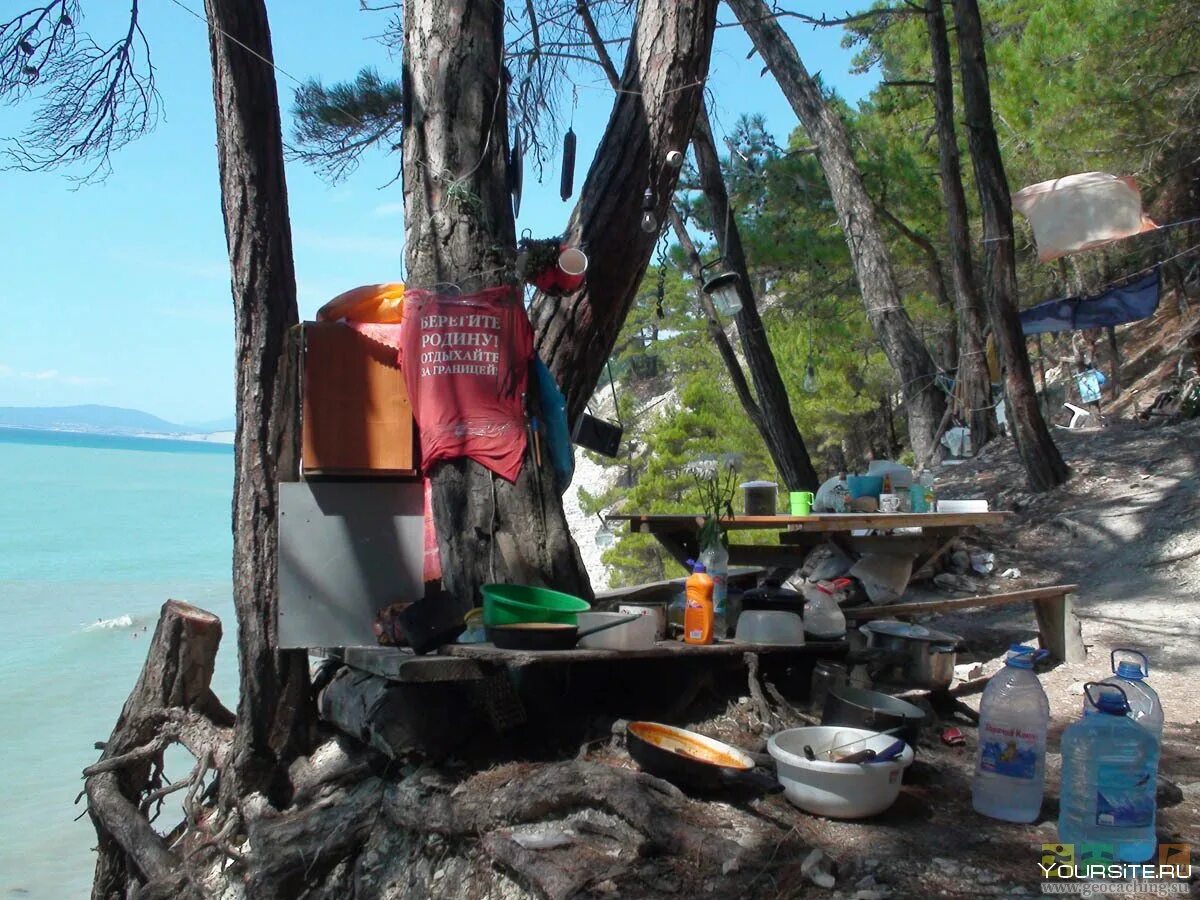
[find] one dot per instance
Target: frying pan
(692, 760)
(546, 635)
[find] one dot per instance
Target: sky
(117, 293)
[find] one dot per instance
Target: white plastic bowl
(837, 790)
(962, 506)
(770, 626)
(635, 635)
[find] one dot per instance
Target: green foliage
(335, 125)
(1077, 85)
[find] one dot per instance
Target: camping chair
(1076, 415)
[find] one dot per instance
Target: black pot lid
(894, 628)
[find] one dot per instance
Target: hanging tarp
(1134, 299)
(1078, 212)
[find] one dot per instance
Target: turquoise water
(96, 533)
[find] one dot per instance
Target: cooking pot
(692, 760)
(845, 705)
(913, 654)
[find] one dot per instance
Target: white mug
(889, 503)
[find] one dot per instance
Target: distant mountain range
(104, 419)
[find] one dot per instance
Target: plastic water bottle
(1010, 763)
(823, 618)
(1130, 676)
(716, 560)
(1109, 778)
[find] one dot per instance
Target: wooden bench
(1058, 626)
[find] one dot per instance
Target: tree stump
(172, 702)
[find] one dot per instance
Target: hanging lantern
(810, 379)
(723, 289)
(604, 535)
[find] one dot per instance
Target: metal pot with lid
(913, 654)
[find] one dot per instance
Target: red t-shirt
(466, 364)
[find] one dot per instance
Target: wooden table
(925, 535)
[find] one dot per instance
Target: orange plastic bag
(381, 303)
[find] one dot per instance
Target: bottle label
(720, 593)
(1125, 798)
(1011, 752)
(695, 634)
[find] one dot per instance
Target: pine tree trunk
(894, 329)
(275, 714)
(974, 389)
(779, 430)
(459, 230)
(1043, 463)
(661, 90)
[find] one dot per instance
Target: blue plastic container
(864, 486)
(1109, 779)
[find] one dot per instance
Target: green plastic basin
(511, 604)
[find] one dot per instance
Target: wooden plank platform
(476, 662)
(867, 613)
(820, 522)
(1059, 630)
(661, 650)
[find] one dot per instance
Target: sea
(96, 533)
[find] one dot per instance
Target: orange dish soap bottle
(699, 617)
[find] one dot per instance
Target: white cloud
(58, 377)
(5, 371)
(389, 209)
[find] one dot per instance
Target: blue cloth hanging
(1134, 299)
(554, 415)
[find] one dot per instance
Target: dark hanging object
(516, 174)
(567, 186)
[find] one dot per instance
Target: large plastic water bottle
(1010, 763)
(1130, 676)
(1109, 778)
(716, 560)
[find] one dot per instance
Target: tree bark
(1115, 361)
(661, 90)
(779, 429)
(948, 354)
(459, 229)
(1043, 463)
(275, 712)
(889, 320)
(974, 383)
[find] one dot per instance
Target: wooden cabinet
(356, 419)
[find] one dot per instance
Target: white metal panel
(346, 549)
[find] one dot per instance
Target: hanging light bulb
(649, 220)
(810, 379)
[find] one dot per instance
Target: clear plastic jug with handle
(1109, 769)
(1129, 674)
(1010, 762)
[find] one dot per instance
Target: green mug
(801, 502)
